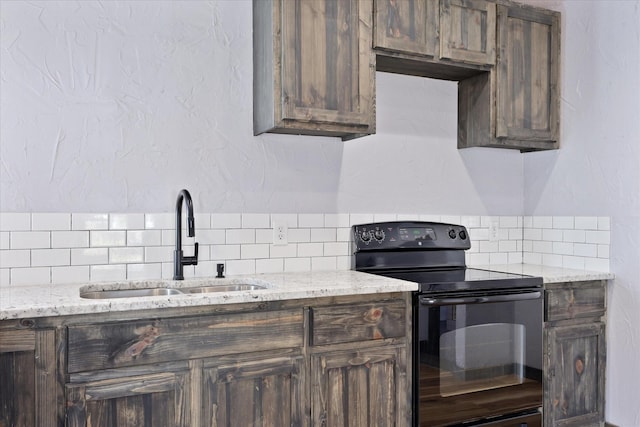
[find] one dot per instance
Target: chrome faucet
(180, 261)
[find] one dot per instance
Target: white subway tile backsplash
(336, 220)
(69, 239)
(255, 220)
(586, 222)
(102, 239)
(50, 221)
(310, 249)
(31, 276)
(310, 220)
(126, 221)
(247, 266)
(299, 235)
(15, 258)
(241, 236)
(50, 257)
(89, 256)
(107, 273)
(323, 235)
(4, 240)
(126, 255)
(10, 221)
(5, 277)
(254, 251)
(144, 238)
(92, 247)
(597, 264)
(70, 274)
(599, 237)
(324, 263)
(220, 220)
(270, 265)
(162, 221)
(80, 221)
(30, 239)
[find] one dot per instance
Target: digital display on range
(411, 234)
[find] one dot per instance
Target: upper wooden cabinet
(468, 31)
(516, 104)
(314, 70)
(458, 30)
(527, 75)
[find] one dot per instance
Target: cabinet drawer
(101, 346)
(575, 301)
(357, 322)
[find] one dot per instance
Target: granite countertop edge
(18, 302)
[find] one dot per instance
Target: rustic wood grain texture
(358, 389)
(314, 70)
(467, 30)
(95, 347)
(358, 322)
(584, 300)
(410, 26)
(527, 98)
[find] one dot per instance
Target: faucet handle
(191, 260)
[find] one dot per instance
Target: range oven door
(478, 358)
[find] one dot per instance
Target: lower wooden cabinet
(363, 388)
(576, 354)
(29, 391)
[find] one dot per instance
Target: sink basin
(223, 288)
(152, 292)
(129, 293)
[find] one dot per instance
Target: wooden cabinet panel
(255, 392)
(102, 346)
(361, 322)
(314, 71)
(528, 74)
(576, 375)
(571, 302)
(150, 400)
(360, 389)
(468, 31)
(29, 390)
(409, 26)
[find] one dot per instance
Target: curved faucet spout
(179, 261)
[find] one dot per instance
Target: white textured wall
(597, 169)
(114, 106)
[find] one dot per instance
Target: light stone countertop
(549, 274)
(18, 302)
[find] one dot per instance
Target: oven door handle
(425, 300)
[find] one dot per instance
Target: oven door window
(478, 361)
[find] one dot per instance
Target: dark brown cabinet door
(575, 375)
(254, 392)
(28, 379)
(468, 31)
(156, 400)
(314, 70)
(409, 26)
(360, 389)
(528, 73)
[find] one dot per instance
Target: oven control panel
(410, 235)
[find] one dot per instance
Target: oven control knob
(365, 236)
(452, 234)
(462, 235)
(378, 235)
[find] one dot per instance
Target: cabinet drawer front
(102, 346)
(357, 322)
(587, 300)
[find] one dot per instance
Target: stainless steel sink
(129, 293)
(151, 292)
(223, 288)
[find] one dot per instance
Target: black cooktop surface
(463, 279)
